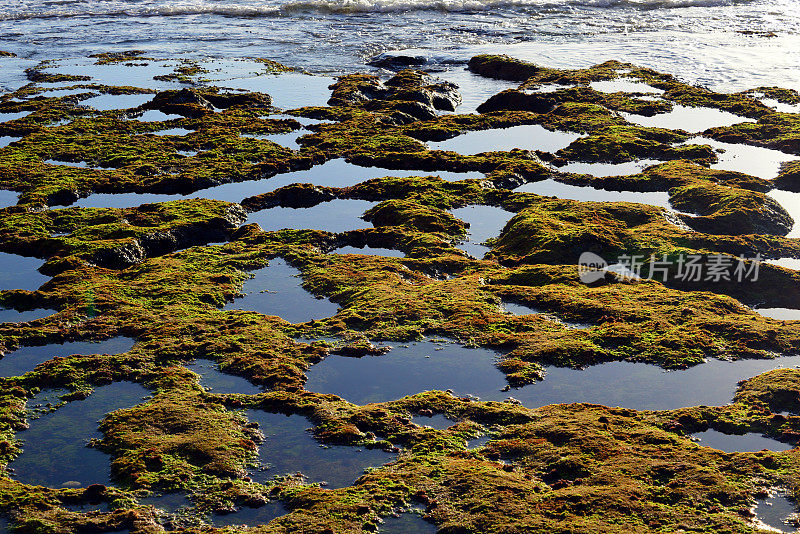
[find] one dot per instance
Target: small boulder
(396, 62)
(186, 102)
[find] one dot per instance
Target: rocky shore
(162, 272)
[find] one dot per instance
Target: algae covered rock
(502, 67)
(789, 177)
(164, 273)
(406, 97)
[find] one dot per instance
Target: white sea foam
(726, 45)
(163, 8)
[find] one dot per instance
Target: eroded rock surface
(161, 273)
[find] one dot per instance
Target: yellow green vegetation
(148, 272)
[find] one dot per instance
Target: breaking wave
(80, 8)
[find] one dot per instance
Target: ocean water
(726, 44)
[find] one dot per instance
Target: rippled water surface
(723, 43)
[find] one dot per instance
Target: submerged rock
(396, 62)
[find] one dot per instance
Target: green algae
(561, 468)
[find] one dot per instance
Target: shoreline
(196, 285)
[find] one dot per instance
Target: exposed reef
(165, 272)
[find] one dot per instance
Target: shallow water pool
(54, 451)
(8, 198)
(788, 263)
(370, 251)
(774, 511)
(332, 173)
(484, 222)
(438, 421)
(245, 515)
(335, 216)
(20, 272)
(406, 523)
(791, 203)
(10, 315)
(528, 137)
(108, 102)
(6, 140)
(585, 193)
(427, 365)
(754, 160)
(750, 442)
(215, 381)
(288, 91)
(782, 314)
(692, 120)
(609, 169)
(25, 359)
(289, 448)
(277, 290)
(624, 85)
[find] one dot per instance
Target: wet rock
(37, 76)
(225, 510)
(790, 436)
(502, 67)
(446, 96)
(789, 177)
(94, 491)
(545, 102)
(62, 198)
(748, 213)
(514, 100)
(506, 180)
(290, 196)
(673, 426)
(242, 100)
(418, 86)
(160, 243)
(186, 102)
(355, 89)
(396, 62)
(406, 97)
(403, 112)
(360, 348)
